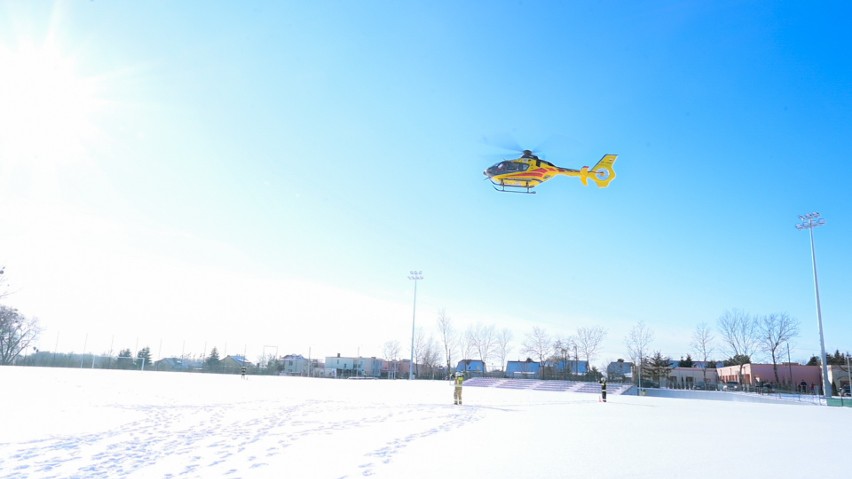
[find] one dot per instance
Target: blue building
(528, 369)
(567, 367)
(471, 367)
(620, 370)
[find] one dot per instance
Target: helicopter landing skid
(521, 189)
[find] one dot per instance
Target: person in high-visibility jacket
(457, 390)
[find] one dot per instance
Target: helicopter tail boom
(602, 173)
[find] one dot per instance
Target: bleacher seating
(541, 385)
(482, 381)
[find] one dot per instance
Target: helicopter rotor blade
(557, 141)
(504, 141)
(493, 158)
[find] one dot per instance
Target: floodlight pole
(790, 367)
(848, 376)
(809, 222)
(414, 276)
(639, 389)
(576, 361)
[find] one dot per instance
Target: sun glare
(46, 107)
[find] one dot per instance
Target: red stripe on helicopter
(536, 173)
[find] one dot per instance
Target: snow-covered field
(84, 423)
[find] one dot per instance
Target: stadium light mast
(848, 376)
(810, 221)
(414, 276)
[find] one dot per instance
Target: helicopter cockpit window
(511, 166)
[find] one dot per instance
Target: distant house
(400, 368)
(838, 376)
(351, 366)
(390, 370)
(295, 365)
(233, 364)
(371, 367)
(566, 367)
(178, 364)
(528, 369)
(169, 364)
(620, 370)
(471, 367)
(403, 368)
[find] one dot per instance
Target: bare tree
(638, 341)
(775, 329)
(504, 338)
(447, 337)
(427, 355)
(17, 333)
(740, 336)
(3, 291)
(467, 343)
(484, 341)
(420, 344)
(702, 344)
(538, 344)
(391, 350)
(589, 341)
(562, 348)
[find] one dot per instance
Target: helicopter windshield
(511, 166)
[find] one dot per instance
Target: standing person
(243, 372)
(457, 390)
(603, 389)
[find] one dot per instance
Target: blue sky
(256, 175)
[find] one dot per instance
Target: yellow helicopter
(521, 175)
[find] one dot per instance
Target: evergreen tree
(593, 374)
(645, 370)
(143, 357)
(659, 366)
(274, 366)
(688, 362)
(125, 359)
(836, 359)
(737, 360)
(212, 361)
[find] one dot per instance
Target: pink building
(692, 378)
(789, 375)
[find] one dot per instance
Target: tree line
(738, 335)
(441, 350)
